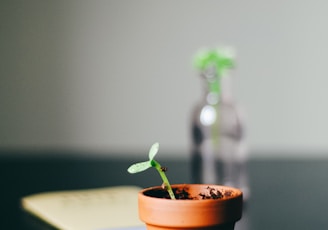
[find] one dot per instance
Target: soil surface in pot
(183, 194)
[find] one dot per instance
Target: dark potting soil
(183, 194)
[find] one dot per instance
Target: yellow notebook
(90, 209)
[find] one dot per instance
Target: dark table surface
(285, 193)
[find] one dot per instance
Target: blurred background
(116, 76)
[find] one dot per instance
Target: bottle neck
(219, 91)
(212, 98)
(212, 86)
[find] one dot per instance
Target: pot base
(229, 226)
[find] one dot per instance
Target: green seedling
(142, 166)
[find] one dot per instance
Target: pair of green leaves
(142, 166)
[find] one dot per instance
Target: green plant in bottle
(220, 60)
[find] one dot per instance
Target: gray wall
(117, 75)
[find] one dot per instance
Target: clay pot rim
(236, 193)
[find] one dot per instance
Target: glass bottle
(218, 152)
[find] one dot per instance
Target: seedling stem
(142, 166)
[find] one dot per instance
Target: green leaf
(139, 167)
(153, 151)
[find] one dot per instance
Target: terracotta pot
(220, 214)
